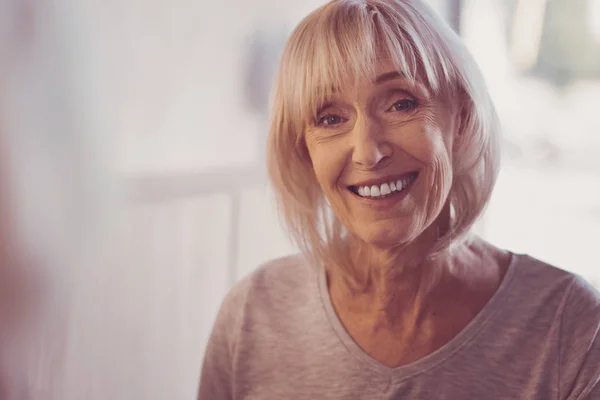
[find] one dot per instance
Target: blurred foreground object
(54, 203)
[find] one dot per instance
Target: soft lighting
(527, 31)
(594, 18)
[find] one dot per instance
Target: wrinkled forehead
(345, 42)
(360, 72)
(383, 70)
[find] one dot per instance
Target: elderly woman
(384, 150)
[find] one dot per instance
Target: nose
(370, 148)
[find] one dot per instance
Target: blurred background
(140, 127)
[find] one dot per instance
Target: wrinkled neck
(391, 281)
(387, 281)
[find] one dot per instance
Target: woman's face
(381, 152)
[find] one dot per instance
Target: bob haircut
(340, 41)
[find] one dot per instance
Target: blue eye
(403, 105)
(329, 120)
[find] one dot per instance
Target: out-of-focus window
(542, 62)
(194, 95)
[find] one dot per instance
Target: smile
(385, 189)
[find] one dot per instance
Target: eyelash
(413, 105)
(320, 121)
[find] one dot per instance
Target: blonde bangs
(340, 43)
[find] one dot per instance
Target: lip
(383, 204)
(385, 179)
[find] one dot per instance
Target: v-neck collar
(436, 357)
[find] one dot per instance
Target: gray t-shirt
(277, 337)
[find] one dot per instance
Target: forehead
(383, 72)
(345, 44)
(383, 69)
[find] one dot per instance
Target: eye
(329, 120)
(403, 105)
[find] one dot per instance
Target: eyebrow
(323, 107)
(385, 77)
(388, 76)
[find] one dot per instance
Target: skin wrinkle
(315, 140)
(392, 269)
(368, 138)
(424, 112)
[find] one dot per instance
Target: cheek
(439, 176)
(429, 146)
(328, 164)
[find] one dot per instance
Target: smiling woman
(408, 62)
(384, 150)
(390, 131)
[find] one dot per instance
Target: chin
(386, 234)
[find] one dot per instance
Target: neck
(401, 289)
(389, 285)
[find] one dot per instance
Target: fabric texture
(277, 337)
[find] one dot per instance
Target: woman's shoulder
(289, 278)
(571, 306)
(538, 282)
(278, 273)
(534, 271)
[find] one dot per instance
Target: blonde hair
(343, 39)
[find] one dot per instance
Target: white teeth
(385, 189)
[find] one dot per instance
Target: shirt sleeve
(217, 374)
(580, 343)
